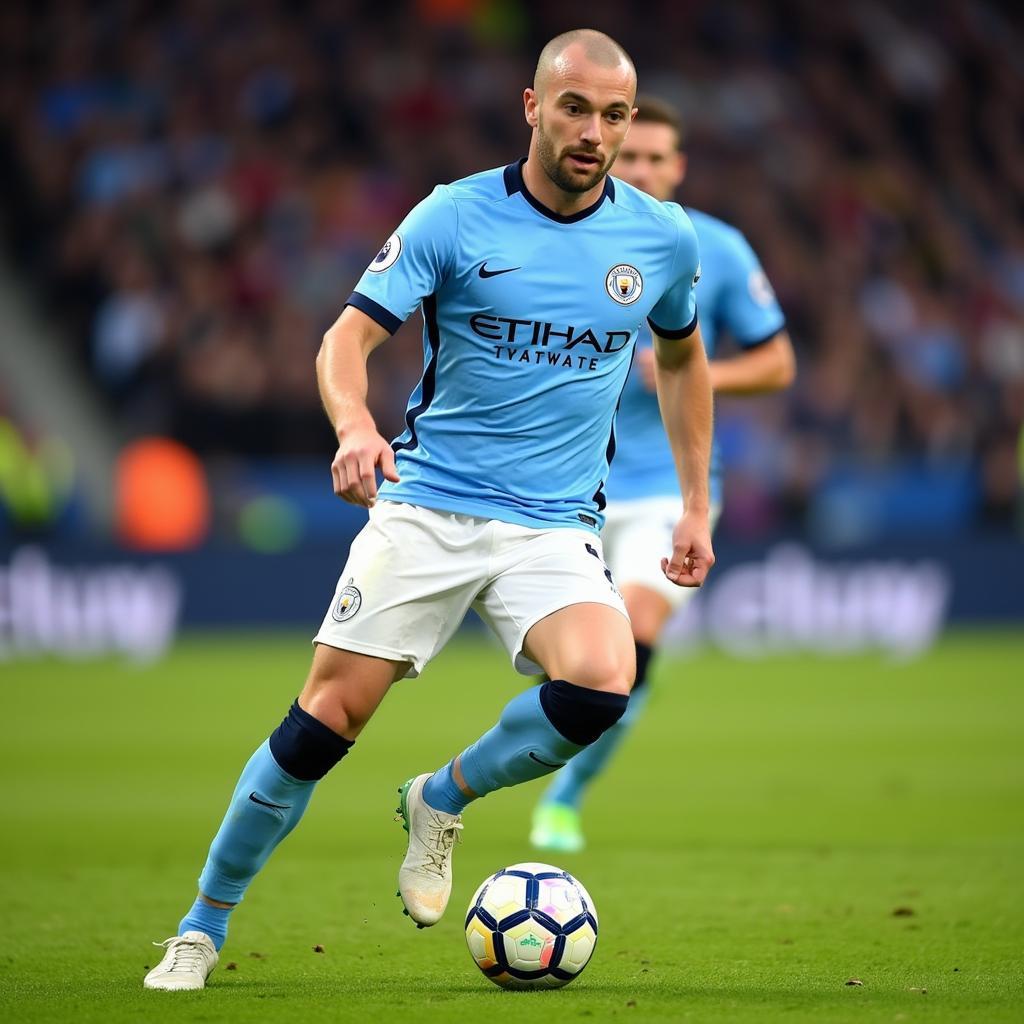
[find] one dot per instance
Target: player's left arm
(684, 396)
(751, 313)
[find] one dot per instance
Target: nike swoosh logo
(484, 272)
(263, 803)
(547, 764)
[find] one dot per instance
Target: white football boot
(425, 877)
(188, 962)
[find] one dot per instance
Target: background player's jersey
(735, 298)
(530, 321)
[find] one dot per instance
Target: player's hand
(354, 469)
(645, 362)
(692, 556)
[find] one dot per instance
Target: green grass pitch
(771, 830)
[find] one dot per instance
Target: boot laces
(441, 838)
(186, 955)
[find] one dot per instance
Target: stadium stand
(193, 188)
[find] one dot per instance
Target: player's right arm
(341, 375)
(412, 264)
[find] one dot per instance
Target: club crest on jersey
(624, 284)
(760, 288)
(348, 603)
(388, 255)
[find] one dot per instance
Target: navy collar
(514, 183)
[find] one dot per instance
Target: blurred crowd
(195, 187)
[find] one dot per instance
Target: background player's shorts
(413, 573)
(637, 535)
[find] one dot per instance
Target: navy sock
(306, 748)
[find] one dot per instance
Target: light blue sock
(266, 805)
(212, 921)
(442, 792)
(569, 785)
(523, 745)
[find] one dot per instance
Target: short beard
(560, 177)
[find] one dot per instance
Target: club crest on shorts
(624, 284)
(348, 603)
(388, 255)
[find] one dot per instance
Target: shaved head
(580, 108)
(594, 46)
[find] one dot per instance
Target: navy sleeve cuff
(682, 332)
(375, 311)
(754, 343)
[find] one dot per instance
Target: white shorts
(637, 535)
(413, 573)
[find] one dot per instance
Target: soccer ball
(531, 926)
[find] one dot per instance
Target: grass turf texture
(749, 853)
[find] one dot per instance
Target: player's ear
(629, 122)
(531, 101)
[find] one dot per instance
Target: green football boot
(557, 827)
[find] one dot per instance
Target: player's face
(650, 160)
(581, 120)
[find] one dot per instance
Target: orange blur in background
(162, 497)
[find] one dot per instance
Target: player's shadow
(409, 993)
(349, 986)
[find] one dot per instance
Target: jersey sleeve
(412, 263)
(748, 308)
(675, 313)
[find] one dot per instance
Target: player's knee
(330, 701)
(611, 671)
(332, 698)
(579, 713)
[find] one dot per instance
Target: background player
(533, 281)
(735, 299)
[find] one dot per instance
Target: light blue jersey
(735, 298)
(530, 321)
